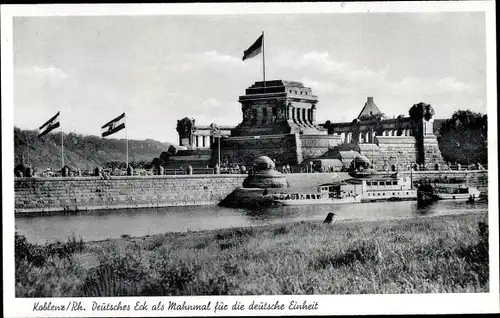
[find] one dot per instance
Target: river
(105, 224)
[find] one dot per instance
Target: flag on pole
(254, 49)
(114, 125)
(50, 125)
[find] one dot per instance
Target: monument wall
(313, 146)
(243, 150)
(92, 193)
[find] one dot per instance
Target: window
(393, 193)
(383, 194)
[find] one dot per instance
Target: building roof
(370, 108)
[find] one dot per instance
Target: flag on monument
(114, 125)
(50, 125)
(254, 49)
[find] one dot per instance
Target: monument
(278, 121)
(392, 143)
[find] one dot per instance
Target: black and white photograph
(169, 159)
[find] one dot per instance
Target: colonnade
(202, 141)
(301, 115)
(369, 136)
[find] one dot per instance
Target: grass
(426, 255)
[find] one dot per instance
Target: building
(278, 121)
(392, 143)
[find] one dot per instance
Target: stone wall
(313, 146)
(400, 151)
(244, 150)
(92, 193)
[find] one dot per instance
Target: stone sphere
(264, 163)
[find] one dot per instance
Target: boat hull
(319, 201)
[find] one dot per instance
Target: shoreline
(425, 255)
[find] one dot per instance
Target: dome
(264, 163)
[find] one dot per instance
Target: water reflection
(100, 225)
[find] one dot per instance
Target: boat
(330, 193)
(383, 187)
(448, 191)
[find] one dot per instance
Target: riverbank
(35, 196)
(418, 255)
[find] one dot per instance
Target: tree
(464, 138)
(421, 110)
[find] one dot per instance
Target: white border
(335, 304)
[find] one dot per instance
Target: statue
(186, 127)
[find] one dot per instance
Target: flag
(254, 49)
(114, 125)
(50, 125)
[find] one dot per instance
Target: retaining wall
(92, 193)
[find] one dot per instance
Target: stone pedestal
(265, 175)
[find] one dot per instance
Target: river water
(101, 225)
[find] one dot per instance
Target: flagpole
(263, 60)
(62, 148)
(126, 139)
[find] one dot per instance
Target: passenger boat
(447, 191)
(330, 193)
(376, 187)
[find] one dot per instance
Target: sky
(158, 69)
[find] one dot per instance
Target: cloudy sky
(159, 69)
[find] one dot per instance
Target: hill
(80, 151)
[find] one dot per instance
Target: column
(203, 138)
(197, 141)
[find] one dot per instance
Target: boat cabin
(339, 189)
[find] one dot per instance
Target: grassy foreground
(435, 254)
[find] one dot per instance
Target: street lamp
(216, 133)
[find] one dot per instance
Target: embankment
(418, 255)
(92, 193)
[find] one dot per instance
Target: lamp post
(216, 134)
